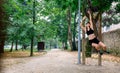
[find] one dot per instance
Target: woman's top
(89, 31)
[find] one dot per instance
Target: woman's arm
(81, 24)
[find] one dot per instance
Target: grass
(21, 54)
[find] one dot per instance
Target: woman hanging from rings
(93, 41)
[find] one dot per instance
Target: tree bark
(31, 53)
(83, 36)
(94, 23)
(16, 45)
(74, 33)
(69, 27)
(2, 27)
(11, 49)
(100, 27)
(32, 37)
(83, 47)
(2, 45)
(50, 44)
(100, 36)
(98, 32)
(66, 46)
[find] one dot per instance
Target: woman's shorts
(95, 40)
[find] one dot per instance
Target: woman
(91, 36)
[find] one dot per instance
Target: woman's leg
(102, 45)
(96, 46)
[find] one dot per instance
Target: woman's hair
(88, 22)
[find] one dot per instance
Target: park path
(57, 61)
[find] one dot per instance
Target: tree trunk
(22, 47)
(74, 33)
(2, 45)
(11, 49)
(100, 36)
(69, 27)
(83, 36)
(31, 53)
(94, 23)
(97, 32)
(83, 46)
(25, 46)
(100, 27)
(50, 44)
(16, 45)
(2, 27)
(95, 27)
(64, 45)
(32, 38)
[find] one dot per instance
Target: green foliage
(118, 7)
(115, 51)
(111, 16)
(19, 19)
(51, 21)
(102, 4)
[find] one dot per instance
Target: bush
(115, 51)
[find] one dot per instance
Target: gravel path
(57, 61)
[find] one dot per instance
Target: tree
(18, 12)
(112, 15)
(70, 7)
(99, 6)
(3, 26)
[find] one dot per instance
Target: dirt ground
(56, 61)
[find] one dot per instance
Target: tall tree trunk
(2, 27)
(24, 46)
(31, 53)
(16, 45)
(11, 49)
(83, 36)
(50, 45)
(69, 27)
(32, 38)
(100, 36)
(97, 32)
(74, 33)
(2, 45)
(94, 23)
(83, 47)
(65, 45)
(100, 27)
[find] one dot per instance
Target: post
(99, 60)
(79, 37)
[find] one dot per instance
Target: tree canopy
(53, 18)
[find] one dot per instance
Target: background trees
(55, 19)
